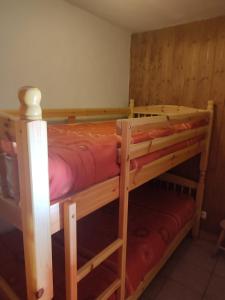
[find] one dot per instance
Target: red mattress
(81, 155)
(155, 218)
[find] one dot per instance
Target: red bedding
(81, 155)
(155, 218)
(163, 214)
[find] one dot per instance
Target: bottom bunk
(158, 221)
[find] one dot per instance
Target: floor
(193, 273)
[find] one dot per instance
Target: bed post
(125, 128)
(202, 175)
(31, 138)
(131, 106)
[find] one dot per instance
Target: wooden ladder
(73, 275)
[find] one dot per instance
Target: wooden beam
(7, 290)
(123, 202)
(98, 259)
(140, 149)
(164, 109)
(110, 290)
(31, 138)
(147, 123)
(131, 106)
(70, 237)
(169, 177)
(203, 169)
(159, 166)
(81, 112)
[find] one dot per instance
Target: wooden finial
(210, 105)
(131, 106)
(30, 99)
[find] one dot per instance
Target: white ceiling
(144, 15)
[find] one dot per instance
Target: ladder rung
(98, 259)
(110, 290)
(6, 289)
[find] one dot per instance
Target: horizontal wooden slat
(79, 112)
(87, 201)
(7, 126)
(147, 123)
(98, 259)
(110, 290)
(10, 211)
(157, 167)
(169, 177)
(164, 109)
(144, 148)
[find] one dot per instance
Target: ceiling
(144, 15)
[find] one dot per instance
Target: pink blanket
(81, 155)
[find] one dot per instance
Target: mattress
(81, 155)
(155, 218)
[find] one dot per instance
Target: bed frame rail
(142, 111)
(72, 113)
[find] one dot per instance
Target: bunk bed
(147, 148)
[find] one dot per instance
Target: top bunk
(99, 155)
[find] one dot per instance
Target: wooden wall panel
(186, 65)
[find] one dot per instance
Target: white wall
(75, 58)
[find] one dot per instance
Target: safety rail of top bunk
(142, 111)
(71, 114)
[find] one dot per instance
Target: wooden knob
(210, 105)
(30, 99)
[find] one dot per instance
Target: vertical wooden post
(123, 202)
(31, 138)
(131, 106)
(203, 169)
(70, 238)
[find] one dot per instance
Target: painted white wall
(75, 58)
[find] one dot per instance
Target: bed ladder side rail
(70, 240)
(72, 274)
(124, 126)
(203, 168)
(31, 138)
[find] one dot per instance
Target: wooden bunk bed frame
(38, 220)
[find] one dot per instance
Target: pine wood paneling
(186, 65)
